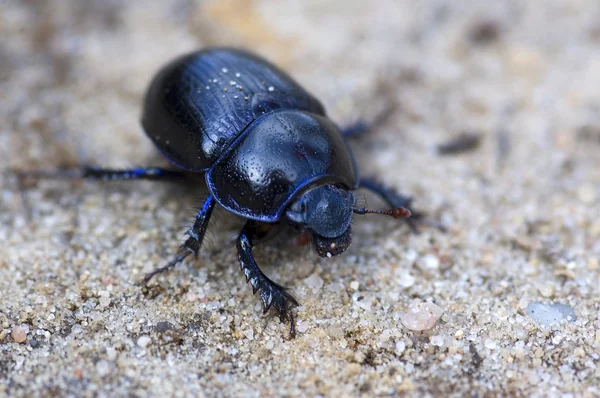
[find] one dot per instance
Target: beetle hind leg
(193, 242)
(97, 173)
(271, 293)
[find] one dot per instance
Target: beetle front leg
(271, 293)
(193, 242)
(355, 129)
(361, 127)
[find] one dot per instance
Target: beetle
(269, 154)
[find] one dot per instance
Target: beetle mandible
(269, 154)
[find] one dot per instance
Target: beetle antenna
(398, 212)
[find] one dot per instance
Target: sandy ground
(521, 208)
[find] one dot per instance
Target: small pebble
(314, 281)
(249, 334)
(406, 280)
(144, 341)
(587, 194)
(302, 326)
(547, 314)
(103, 367)
(164, 326)
(421, 316)
(437, 341)
(354, 285)
(104, 301)
(431, 262)
(111, 353)
(400, 347)
(490, 344)
(19, 334)
(547, 290)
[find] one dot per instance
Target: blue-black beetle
(269, 152)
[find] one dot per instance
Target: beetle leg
(357, 128)
(91, 172)
(271, 293)
(392, 198)
(193, 242)
(361, 127)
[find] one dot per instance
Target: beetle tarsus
(167, 267)
(271, 293)
(193, 242)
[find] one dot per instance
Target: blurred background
(493, 126)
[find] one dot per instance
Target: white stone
(103, 367)
(437, 341)
(406, 280)
(144, 341)
(548, 314)
(314, 281)
(249, 334)
(431, 262)
(302, 326)
(421, 316)
(489, 343)
(400, 347)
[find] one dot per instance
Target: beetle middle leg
(193, 242)
(271, 293)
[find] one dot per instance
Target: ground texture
(521, 208)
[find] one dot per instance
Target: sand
(506, 301)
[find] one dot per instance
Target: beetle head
(327, 212)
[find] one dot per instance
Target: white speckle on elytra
(271, 88)
(224, 70)
(328, 255)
